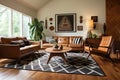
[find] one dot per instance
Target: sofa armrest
(42, 42)
(35, 42)
(9, 51)
(82, 42)
(9, 46)
(38, 43)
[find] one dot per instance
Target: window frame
(21, 21)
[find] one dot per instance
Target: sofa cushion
(18, 42)
(63, 40)
(26, 42)
(64, 45)
(75, 45)
(5, 40)
(21, 38)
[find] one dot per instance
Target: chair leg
(88, 55)
(108, 56)
(83, 53)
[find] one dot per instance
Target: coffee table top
(65, 49)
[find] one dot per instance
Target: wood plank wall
(113, 21)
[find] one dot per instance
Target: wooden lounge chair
(104, 48)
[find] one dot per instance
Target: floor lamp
(91, 24)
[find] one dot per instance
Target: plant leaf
(36, 29)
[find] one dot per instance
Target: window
(13, 23)
(4, 21)
(26, 20)
(16, 23)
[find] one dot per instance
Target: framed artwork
(65, 22)
(94, 18)
(79, 28)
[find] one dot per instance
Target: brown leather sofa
(65, 41)
(14, 51)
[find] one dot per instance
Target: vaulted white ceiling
(34, 4)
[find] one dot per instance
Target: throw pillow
(18, 42)
(48, 38)
(76, 40)
(52, 41)
(26, 42)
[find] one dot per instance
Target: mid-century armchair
(104, 47)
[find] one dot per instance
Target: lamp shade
(91, 24)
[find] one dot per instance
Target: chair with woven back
(104, 48)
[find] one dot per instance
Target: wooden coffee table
(60, 53)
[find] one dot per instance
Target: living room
(104, 15)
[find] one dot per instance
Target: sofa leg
(36, 54)
(18, 60)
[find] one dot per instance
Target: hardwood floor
(112, 71)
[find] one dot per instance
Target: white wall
(85, 8)
(19, 7)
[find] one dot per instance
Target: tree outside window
(4, 21)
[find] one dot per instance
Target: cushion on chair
(87, 48)
(102, 49)
(106, 40)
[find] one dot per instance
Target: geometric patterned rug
(76, 64)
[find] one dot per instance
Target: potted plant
(36, 29)
(94, 35)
